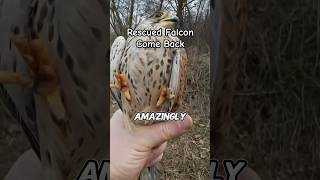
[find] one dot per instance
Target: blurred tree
(131, 13)
(193, 14)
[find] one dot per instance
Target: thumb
(161, 132)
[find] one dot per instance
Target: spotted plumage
(50, 51)
(152, 78)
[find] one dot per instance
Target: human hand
(132, 151)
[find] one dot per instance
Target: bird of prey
(148, 79)
(50, 52)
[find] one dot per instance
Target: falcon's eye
(159, 14)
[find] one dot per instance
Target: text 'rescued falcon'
(155, 43)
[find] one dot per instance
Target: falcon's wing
(177, 79)
(14, 16)
(117, 50)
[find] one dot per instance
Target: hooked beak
(174, 19)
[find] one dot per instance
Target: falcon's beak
(171, 22)
(174, 19)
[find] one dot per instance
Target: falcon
(148, 79)
(50, 50)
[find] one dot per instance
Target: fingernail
(186, 124)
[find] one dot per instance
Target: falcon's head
(162, 19)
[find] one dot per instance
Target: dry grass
(188, 156)
(276, 109)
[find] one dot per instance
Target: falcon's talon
(165, 94)
(123, 85)
(44, 77)
(127, 94)
(37, 57)
(160, 101)
(114, 86)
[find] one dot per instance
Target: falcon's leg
(36, 54)
(44, 78)
(122, 85)
(165, 95)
